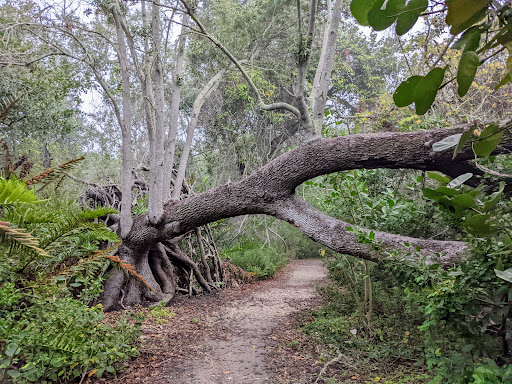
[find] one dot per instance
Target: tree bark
(126, 129)
(174, 109)
(206, 91)
(322, 80)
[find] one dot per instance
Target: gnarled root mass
(164, 270)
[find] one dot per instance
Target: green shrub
(490, 373)
(389, 333)
(250, 256)
(50, 274)
(52, 336)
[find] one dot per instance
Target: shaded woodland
(152, 149)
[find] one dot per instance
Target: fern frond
(96, 262)
(7, 103)
(130, 269)
(26, 214)
(67, 223)
(78, 234)
(90, 214)
(14, 191)
(92, 264)
(19, 238)
(56, 173)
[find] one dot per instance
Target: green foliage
(452, 315)
(466, 72)
(476, 208)
(420, 90)
(490, 373)
(409, 16)
(254, 258)
(160, 314)
(473, 17)
(53, 337)
(389, 334)
(356, 197)
(50, 274)
(14, 191)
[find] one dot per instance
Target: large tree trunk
(271, 191)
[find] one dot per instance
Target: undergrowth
(255, 259)
(453, 321)
(51, 275)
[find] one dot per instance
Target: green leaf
(457, 204)
(360, 9)
(426, 91)
(384, 13)
(505, 80)
(488, 141)
(504, 275)
(494, 198)
(458, 181)
(466, 72)
(437, 194)
(409, 16)
(447, 143)
(470, 40)
(480, 225)
(463, 14)
(438, 177)
(12, 349)
(465, 137)
(404, 94)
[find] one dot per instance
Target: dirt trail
(224, 339)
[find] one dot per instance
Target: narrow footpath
(225, 338)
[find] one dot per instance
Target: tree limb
(271, 189)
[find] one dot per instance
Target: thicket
(454, 320)
(53, 259)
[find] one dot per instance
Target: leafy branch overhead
(484, 27)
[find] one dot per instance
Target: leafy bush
(50, 272)
(343, 323)
(456, 320)
(250, 256)
(54, 337)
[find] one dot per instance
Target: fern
(14, 191)
(90, 266)
(26, 214)
(17, 239)
(90, 214)
(96, 261)
(53, 174)
(8, 102)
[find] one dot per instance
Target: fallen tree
(271, 191)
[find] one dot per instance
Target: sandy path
(239, 358)
(223, 339)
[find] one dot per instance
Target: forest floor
(245, 335)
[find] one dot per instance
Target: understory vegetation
(451, 320)
(51, 274)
